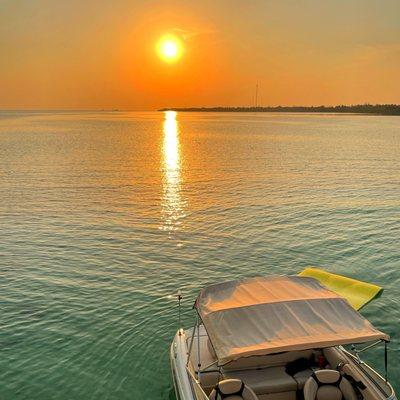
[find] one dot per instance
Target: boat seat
(265, 380)
(301, 377)
(328, 384)
(232, 389)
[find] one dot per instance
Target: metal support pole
(386, 363)
(367, 347)
(198, 352)
(191, 343)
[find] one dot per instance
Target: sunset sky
(95, 54)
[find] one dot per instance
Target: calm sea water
(103, 216)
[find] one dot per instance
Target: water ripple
(105, 215)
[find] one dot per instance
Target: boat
(295, 337)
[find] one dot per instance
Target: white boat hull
(178, 359)
(187, 388)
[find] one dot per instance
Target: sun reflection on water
(172, 203)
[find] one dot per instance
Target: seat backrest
(233, 389)
(328, 384)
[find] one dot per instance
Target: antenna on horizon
(256, 96)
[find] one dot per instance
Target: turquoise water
(105, 215)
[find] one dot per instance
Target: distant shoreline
(374, 109)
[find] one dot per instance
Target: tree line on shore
(379, 109)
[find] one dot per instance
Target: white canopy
(261, 316)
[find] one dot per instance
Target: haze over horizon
(102, 55)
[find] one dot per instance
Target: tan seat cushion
(230, 388)
(301, 377)
(329, 391)
(266, 380)
(277, 396)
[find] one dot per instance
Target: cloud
(190, 34)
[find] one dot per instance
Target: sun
(169, 48)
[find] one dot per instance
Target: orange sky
(90, 54)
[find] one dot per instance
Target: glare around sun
(169, 48)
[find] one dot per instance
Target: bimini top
(261, 316)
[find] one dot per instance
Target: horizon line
(282, 108)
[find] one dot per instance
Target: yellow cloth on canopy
(357, 293)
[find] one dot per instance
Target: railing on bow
(197, 390)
